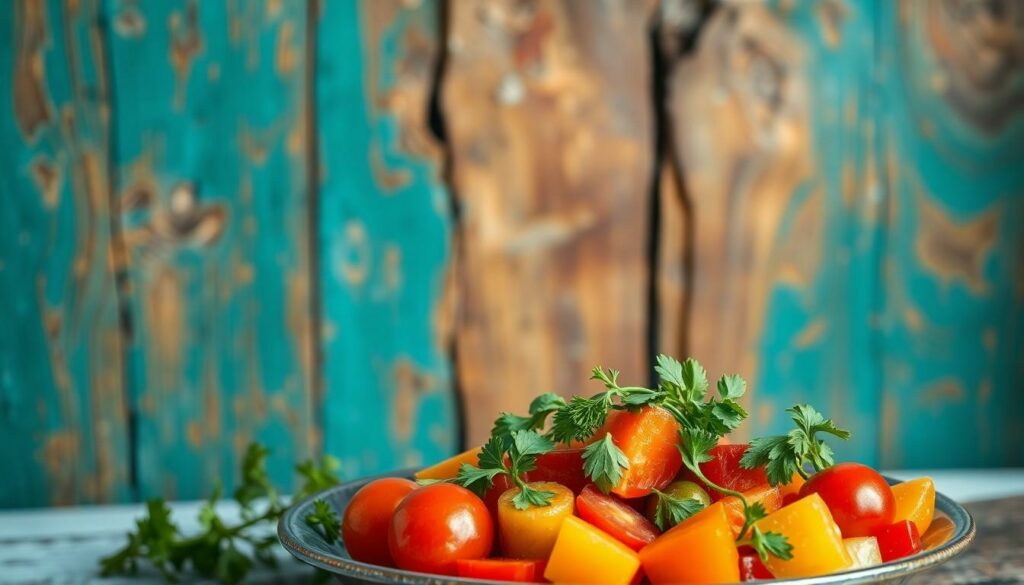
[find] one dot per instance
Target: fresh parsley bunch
(222, 551)
(785, 455)
(511, 455)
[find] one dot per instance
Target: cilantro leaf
(770, 543)
(671, 510)
(669, 370)
(526, 446)
(695, 380)
(604, 463)
(785, 455)
(492, 454)
(731, 387)
(476, 479)
(529, 496)
(540, 408)
(695, 445)
(324, 520)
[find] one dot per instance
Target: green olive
(678, 489)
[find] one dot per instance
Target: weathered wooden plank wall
(314, 223)
(213, 192)
(551, 130)
(63, 436)
(385, 238)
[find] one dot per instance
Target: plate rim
(961, 538)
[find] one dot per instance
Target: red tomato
(564, 466)
(364, 527)
(724, 469)
(615, 517)
(898, 540)
(858, 497)
(437, 525)
(515, 570)
(648, 439)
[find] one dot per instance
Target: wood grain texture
(211, 160)
(952, 325)
(549, 119)
(385, 235)
(62, 416)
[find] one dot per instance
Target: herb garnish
(671, 510)
(784, 455)
(511, 455)
(221, 551)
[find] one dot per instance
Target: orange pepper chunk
(915, 501)
(701, 549)
(583, 554)
(531, 533)
(768, 496)
(449, 468)
(648, 438)
(817, 543)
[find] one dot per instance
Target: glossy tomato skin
(562, 466)
(725, 470)
(858, 497)
(514, 570)
(437, 525)
(616, 517)
(366, 521)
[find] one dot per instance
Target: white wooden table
(62, 546)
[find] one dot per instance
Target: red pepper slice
(898, 540)
(515, 570)
(751, 567)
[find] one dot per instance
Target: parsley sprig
(671, 510)
(580, 418)
(540, 408)
(511, 455)
(695, 445)
(784, 455)
(222, 551)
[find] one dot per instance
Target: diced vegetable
(700, 549)
(531, 533)
(564, 466)
(751, 567)
(647, 437)
(449, 468)
(615, 517)
(863, 551)
(915, 501)
(584, 555)
(858, 497)
(514, 570)
(767, 495)
(817, 543)
(790, 492)
(724, 469)
(435, 526)
(898, 540)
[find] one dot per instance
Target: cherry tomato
(859, 499)
(615, 517)
(684, 490)
(563, 466)
(364, 527)
(515, 570)
(437, 525)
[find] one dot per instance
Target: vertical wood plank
(953, 320)
(549, 119)
(773, 128)
(62, 414)
(385, 236)
(211, 161)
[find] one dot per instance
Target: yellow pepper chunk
(817, 543)
(449, 468)
(531, 533)
(863, 551)
(585, 555)
(915, 501)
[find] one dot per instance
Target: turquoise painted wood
(820, 344)
(384, 229)
(210, 157)
(62, 418)
(952, 321)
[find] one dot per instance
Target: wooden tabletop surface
(61, 546)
